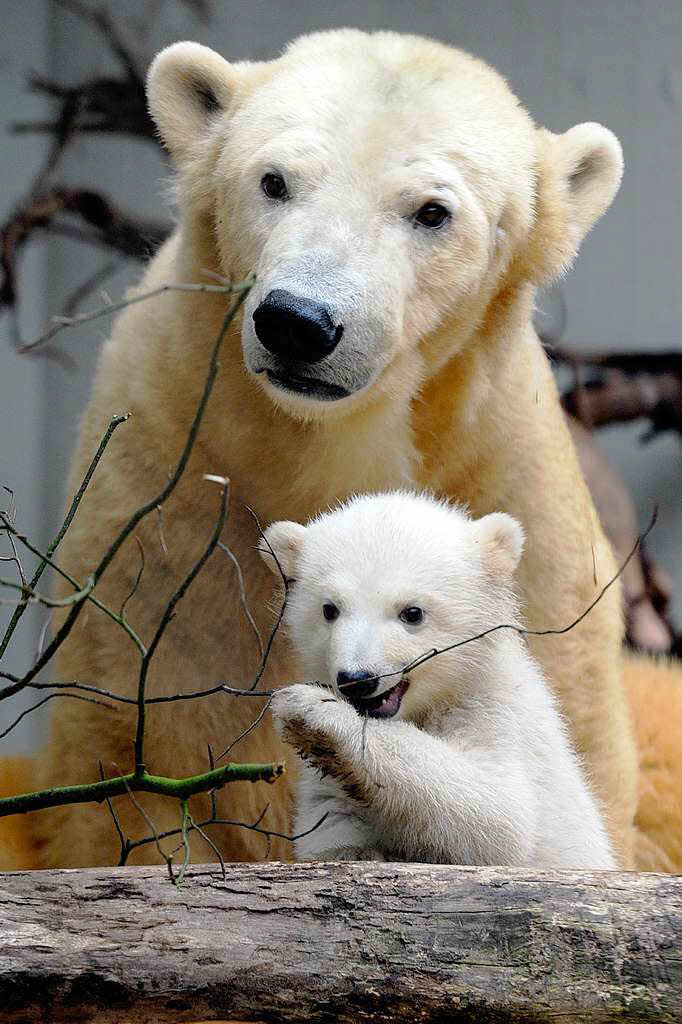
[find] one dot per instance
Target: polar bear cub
(460, 757)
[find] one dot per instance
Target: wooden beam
(346, 943)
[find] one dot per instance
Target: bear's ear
(501, 538)
(578, 175)
(187, 85)
(285, 540)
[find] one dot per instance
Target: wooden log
(344, 943)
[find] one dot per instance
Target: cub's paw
(297, 702)
(303, 714)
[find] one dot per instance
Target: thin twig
(39, 704)
(207, 839)
(242, 595)
(269, 832)
(255, 827)
(73, 508)
(81, 591)
(136, 584)
(117, 824)
(166, 618)
(84, 318)
(86, 288)
(278, 621)
(232, 691)
(11, 514)
(256, 722)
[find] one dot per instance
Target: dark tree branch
(618, 388)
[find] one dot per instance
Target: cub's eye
(330, 611)
(431, 215)
(274, 186)
(412, 615)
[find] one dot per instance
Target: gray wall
(25, 43)
(617, 61)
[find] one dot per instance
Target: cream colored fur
(474, 765)
(451, 391)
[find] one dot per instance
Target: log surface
(344, 943)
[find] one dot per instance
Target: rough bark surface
(345, 943)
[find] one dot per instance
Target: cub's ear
(187, 85)
(285, 539)
(578, 175)
(501, 538)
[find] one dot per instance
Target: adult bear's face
(382, 187)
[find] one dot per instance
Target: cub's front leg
(427, 799)
(312, 719)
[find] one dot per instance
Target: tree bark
(345, 943)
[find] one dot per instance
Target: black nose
(357, 684)
(295, 329)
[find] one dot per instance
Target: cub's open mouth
(322, 390)
(386, 705)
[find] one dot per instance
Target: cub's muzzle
(357, 688)
(356, 685)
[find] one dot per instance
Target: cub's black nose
(356, 684)
(295, 329)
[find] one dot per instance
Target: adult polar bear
(399, 208)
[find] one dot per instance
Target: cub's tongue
(385, 705)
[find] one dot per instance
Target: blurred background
(83, 202)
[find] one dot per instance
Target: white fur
(476, 766)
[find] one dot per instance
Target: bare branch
(166, 618)
(278, 621)
(207, 839)
(81, 591)
(39, 704)
(136, 584)
(143, 510)
(255, 827)
(256, 722)
(11, 515)
(242, 596)
(84, 318)
(73, 508)
(117, 824)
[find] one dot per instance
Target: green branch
(180, 789)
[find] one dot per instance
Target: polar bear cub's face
(385, 579)
(382, 187)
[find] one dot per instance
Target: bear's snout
(354, 685)
(295, 329)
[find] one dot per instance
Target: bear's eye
(412, 615)
(431, 215)
(274, 186)
(330, 611)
